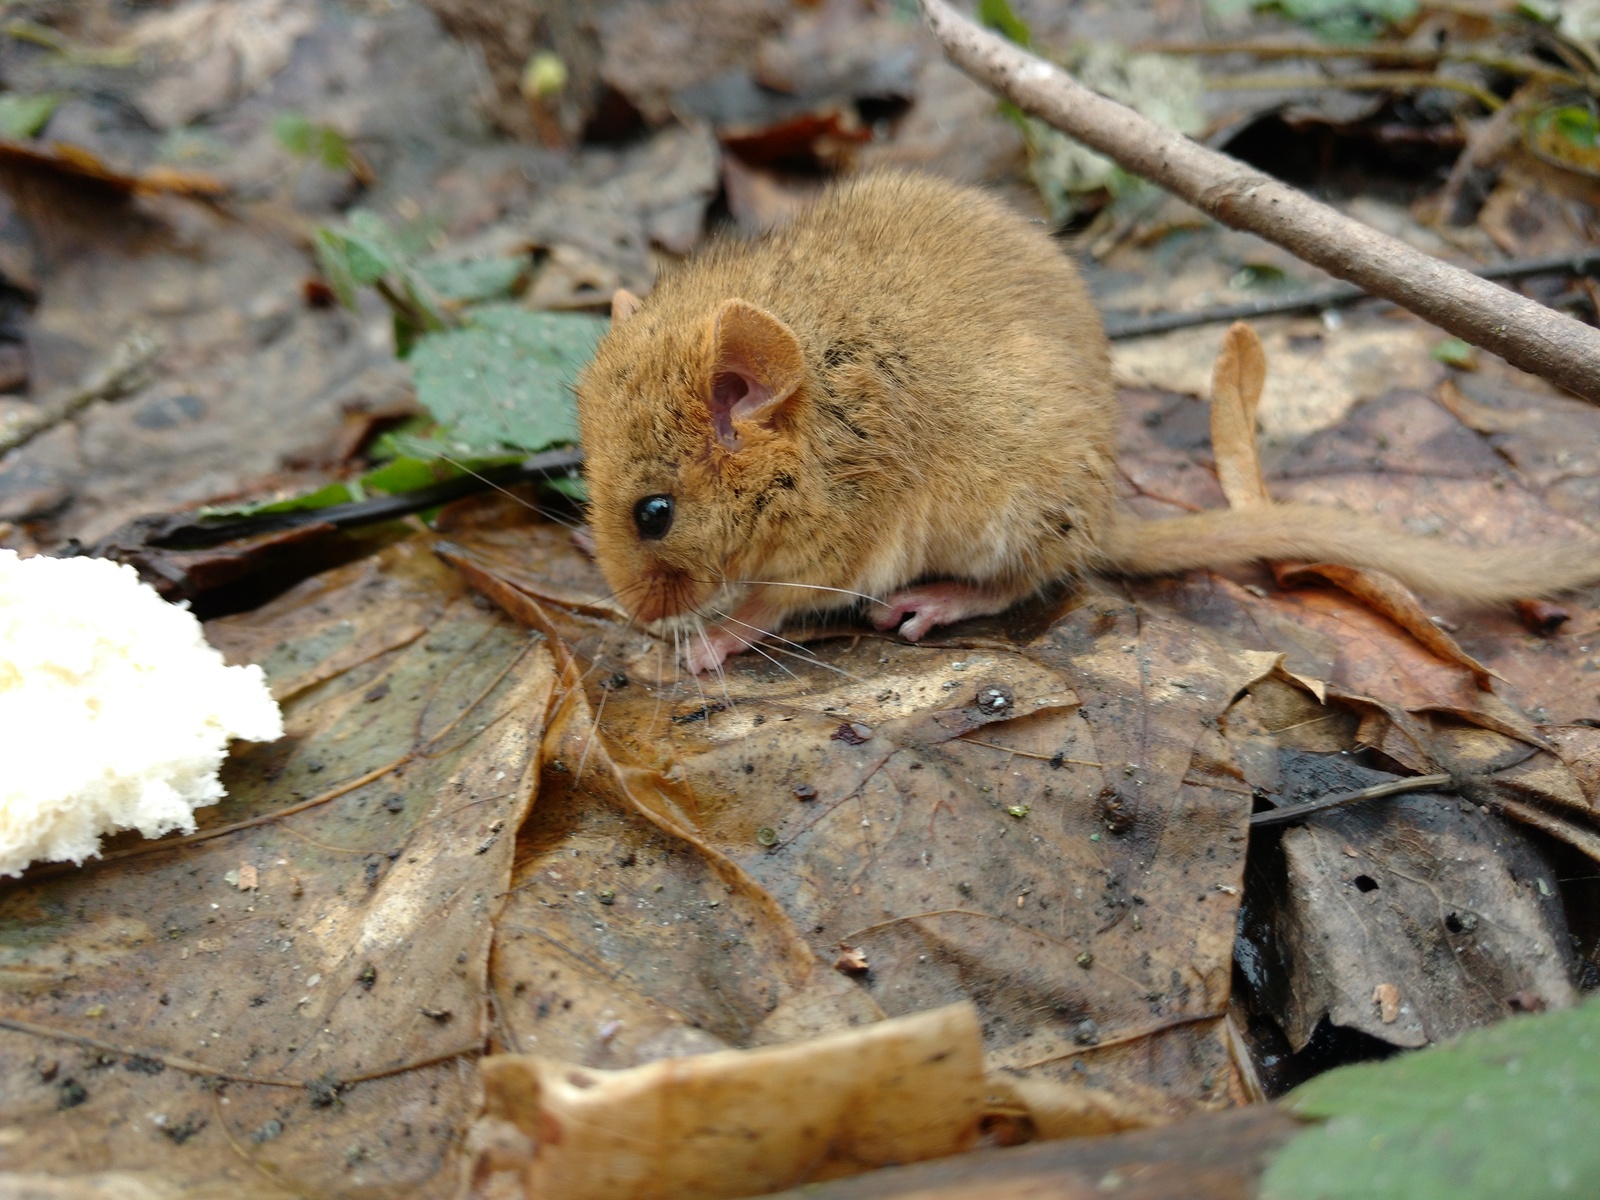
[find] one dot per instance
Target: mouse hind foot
(918, 610)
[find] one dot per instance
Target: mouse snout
(662, 592)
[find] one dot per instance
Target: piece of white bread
(114, 712)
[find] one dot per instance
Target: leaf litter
(716, 864)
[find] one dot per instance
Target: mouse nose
(665, 593)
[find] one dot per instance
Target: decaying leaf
(739, 1123)
(1236, 384)
(161, 1019)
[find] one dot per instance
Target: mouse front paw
(930, 605)
(706, 651)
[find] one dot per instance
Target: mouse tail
(1310, 533)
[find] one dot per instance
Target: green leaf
(574, 487)
(1257, 275)
(505, 380)
(293, 132)
(325, 496)
(1454, 352)
(23, 116)
(370, 247)
(476, 280)
(1508, 1111)
(997, 15)
(407, 474)
(333, 261)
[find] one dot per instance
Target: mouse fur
(905, 394)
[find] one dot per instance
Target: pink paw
(706, 652)
(933, 604)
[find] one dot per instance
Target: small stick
(1293, 812)
(1371, 81)
(119, 374)
(1333, 295)
(1522, 331)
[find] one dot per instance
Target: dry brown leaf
(311, 1035)
(81, 164)
(1387, 997)
(912, 841)
(1211, 1157)
(1388, 596)
(742, 1122)
(1236, 384)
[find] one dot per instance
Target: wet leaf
(1432, 902)
(505, 380)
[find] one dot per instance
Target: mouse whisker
(751, 645)
(815, 587)
(594, 734)
(506, 492)
(803, 653)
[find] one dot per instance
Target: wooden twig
(1333, 295)
(1295, 812)
(1367, 81)
(1520, 330)
(1388, 55)
(123, 371)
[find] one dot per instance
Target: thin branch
(1518, 329)
(1294, 812)
(1333, 295)
(1368, 81)
(121, 373)
(1523, 66)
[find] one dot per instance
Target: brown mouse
(905, 397)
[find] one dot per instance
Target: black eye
(653, 517)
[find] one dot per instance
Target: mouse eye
(652, 516)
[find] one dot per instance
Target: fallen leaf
(383, 835)
(1236, 384)
(741, 1122)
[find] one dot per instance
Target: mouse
(903, 399)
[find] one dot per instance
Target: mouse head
(693, 434)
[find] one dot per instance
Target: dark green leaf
(293, 132)
(474, 281)
(323, 497)
(333, 261)
(1508, 1111)
(23, 116)
(997, 15)
(506, 378)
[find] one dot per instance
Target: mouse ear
(623, 305)
(756, 367)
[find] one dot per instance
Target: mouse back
(908, 380)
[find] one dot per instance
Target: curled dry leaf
(745, 1122)
(1236, 383)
